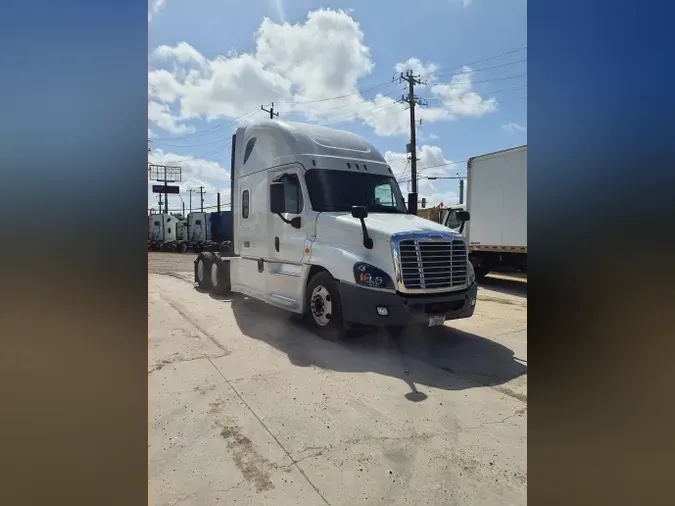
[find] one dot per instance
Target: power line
(351, 116)
(504, 90)
(389, 83)
(350, 105)
(371, 112)
(449, 164)
(202, 132)
(492, 57)
(480, 70)
(357, 92)
(484, 81)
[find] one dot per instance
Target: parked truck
(320, 228)
(497, 202)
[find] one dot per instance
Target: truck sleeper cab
(320, 228)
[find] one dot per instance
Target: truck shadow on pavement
(506, 286)
(416, 358)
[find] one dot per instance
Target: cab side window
(453, 220)
(384, 196)
(293, 193)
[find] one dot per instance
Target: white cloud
(458, 97)
(514, 127)
(182, 53)
(293, 64)
(154, 6)
(164, 86)
(161, 115)
(418, 68)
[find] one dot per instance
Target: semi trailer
(320, 228)
(200, 231)
(497, 202)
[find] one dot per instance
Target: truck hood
(380, 225)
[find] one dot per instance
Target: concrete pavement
(249, 407)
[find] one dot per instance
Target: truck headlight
(471, 271)
(369, 275)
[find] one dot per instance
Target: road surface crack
(276, 439)
(498, 422)
(195, 324)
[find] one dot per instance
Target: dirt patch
(499, 300)
(253, 466)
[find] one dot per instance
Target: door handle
(276, 244)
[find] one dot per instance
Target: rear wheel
(203, 270)
(323, 308)
(220, 276)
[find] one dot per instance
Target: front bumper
(360, 305)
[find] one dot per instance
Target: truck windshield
(339, 190)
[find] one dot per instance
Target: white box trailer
(497, 202)
(320, 228)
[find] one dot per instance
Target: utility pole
(412, 100)
(190, 190)
(461, 191)
(271, 111)
(218, 201)
(166, 195)
(201, 194)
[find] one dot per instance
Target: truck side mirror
(463, 217)
(359, 212)
(277, 198)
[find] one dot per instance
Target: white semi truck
(320, 228)
(497, 202)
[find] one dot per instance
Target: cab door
(286, 244)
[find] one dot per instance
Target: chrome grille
(433, 265)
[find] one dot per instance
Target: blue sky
(197, 47)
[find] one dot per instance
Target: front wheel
(220, 276)
(323, 308)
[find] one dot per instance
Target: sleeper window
(244, 204)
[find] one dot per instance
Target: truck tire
(481, 272)
(203, 270)
(323, 307)
(220, 276)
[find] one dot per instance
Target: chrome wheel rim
(321, 305)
